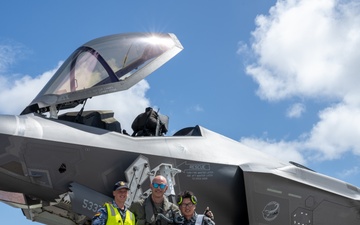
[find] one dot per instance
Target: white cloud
(350, 172)
(287, 151)
(198, 108)
(195, 108)
(16, 91)
(9, 53)
(16, 95)
(337, 132)
(309, 49)
(295, 111)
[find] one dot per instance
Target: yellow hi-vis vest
(114, 217)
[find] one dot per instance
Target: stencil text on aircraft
(197, 171)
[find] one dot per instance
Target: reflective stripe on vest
(114, 217)
(199, 219)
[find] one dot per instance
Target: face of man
(158, 186)
(187, 208)
(120, 195)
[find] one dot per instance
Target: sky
(281, 76)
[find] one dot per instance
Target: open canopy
(105, 65)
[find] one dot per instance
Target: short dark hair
(186, 194)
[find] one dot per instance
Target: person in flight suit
(148, 211)
(115, 213)
(187, 203)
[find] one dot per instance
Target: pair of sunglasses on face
(156, 185)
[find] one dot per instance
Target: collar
(192, 219)
(116, 206)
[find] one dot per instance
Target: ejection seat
(101, 118)
(150, 123)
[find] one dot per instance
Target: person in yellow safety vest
(115, 212)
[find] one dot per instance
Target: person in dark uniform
(115, 213)
(187, 203)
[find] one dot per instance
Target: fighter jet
(49, 154)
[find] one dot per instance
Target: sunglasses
(156, 185)
(187, 205)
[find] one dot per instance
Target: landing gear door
(136, 174)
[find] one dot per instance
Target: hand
(208, 213)
(178, 218)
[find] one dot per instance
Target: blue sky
(279, 76)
